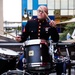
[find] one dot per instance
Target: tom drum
(37, 54)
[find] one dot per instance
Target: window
(64, 4)
(64, 12)
(71, 5)
(12, 10)
(50, 4)
(57, 4)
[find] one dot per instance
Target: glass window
(12, 10)
(50, 12)
(74, 5)
(29, 4)
(64, 12)
(57, 4)
(74, 12)
(64, 4)
(42, 2)
(70, 12)
(71, 6)
(50, 4)
(35, 12)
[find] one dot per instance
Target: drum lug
(41, 58)
(40, 46)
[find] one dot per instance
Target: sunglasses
(40, 11)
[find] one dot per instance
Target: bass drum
(37, 55)
(7, 60)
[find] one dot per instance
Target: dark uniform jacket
(39, 29)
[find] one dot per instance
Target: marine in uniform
(39, 29)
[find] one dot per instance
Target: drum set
(39, 55)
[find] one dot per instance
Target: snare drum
(37, 54)
(7, 59)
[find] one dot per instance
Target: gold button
(39, 26)
(38, 34)
(39, 23)
(38, 30)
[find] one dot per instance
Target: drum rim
(32, 42)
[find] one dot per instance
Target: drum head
(33, 42)
(8, 52)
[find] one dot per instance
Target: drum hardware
(23, 46)
(38, 64)
(59, 58)
(67, 53)
(51, 50)
(24, 63)
(66, 58)
(62, 59)
(16, 72)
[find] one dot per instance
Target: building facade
(58, 10)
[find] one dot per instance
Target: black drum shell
(6, 64)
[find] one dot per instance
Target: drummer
(40, 28)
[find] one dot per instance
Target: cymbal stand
(67, 52)
(26, 73)
(66, 60)
(51, 50)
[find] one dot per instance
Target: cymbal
(8, 52)
(70, 40)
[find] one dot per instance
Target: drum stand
(64, 59)
(51, 50)
(26, 73)
(34, 72)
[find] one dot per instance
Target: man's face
(40, 13)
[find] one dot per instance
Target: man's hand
(52, 23)
(18, 38)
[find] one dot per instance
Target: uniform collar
(41, 20)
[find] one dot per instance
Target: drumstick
(8, 33)
(46, 14)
